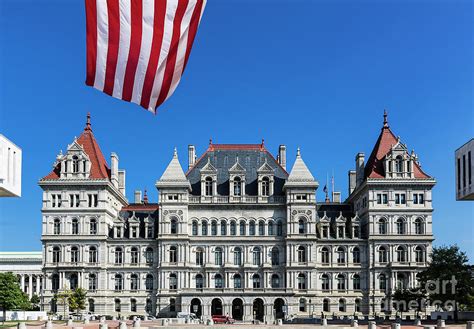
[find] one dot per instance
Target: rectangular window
(119, 232)
(469, 166)
(415, 198)
(403, 198)
(397, 198)
(459, 173)
(379, 198)
(464, 171)
(421, 198)
(385, 198)
(92, 200)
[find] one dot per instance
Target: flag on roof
(137, 50)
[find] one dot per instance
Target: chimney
(352, 181)
(282, 156)
(336, 197)
(121, 181)
(360, 157)
(114, 169)
(191, 156)
(138, 196)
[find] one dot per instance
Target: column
(22, 282)
(30, 285)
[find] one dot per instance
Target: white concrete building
(27, 266)
(236, 233)
(464, 169)
(10, 168)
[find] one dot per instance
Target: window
(134, 255)
(199, 257)
(399, 164)
(459, 176)
(356, 255)
(464, 171)
(275, 256)
(325, 256)
(118, 282)
(149, 231)
(223, 227)
(419, 226)
(256, 281)
(134, 232)
(118, 231)
(242, 228)
(237, 186)
(199, 281)
(219, 283)
(74, 200)
(400, 283)
(173, 254)
(301, 254)
(401, 254)
(133, 305)
(91, 305)
(237, 256)
(117, 305)
(356, 281)
(56, 200)
(208, 186)
(469, 164)
(382, 226)
(213, 227)
(341, 231)
(252, 228)
(342, 305)
(194, 228)
(148, 306)
(383, 255)
(265, 186)
(271, 230)
(92, 254)
(384, 198)
(75, 226)
(418, 198)
(174, 226)
(55, 282)
(134, 282)
(379, 198)
(218, 256)
(325, 231)
(325, 282)
(172, 305)
(341, 282)
(275, 281)
(173, 282)
(356, 231)
(400, 198)
(56, 255)
(93, 226)
(75, 164)
(118, 256)
(419, 254)
(400, 226)
(301, 281)
(149, 255)
(279, 228)
(301, 226)
(204, 228)
(326, 307)
(357, 305)
(233, 228)
(92, 200)
(261, 228)
(341, 255)
(149, 282)
(256, 256)
(302, 305)
(237, 281)
(74, 255)
(57, 226)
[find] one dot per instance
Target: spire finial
(298, 152)
(210, 141)
(88, 122)
(175, 153)
(145, 197)
(385, 120)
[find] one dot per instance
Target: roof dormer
(266, 179)
(75, 164)
(208, 179)
(237, 179)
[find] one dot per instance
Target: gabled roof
(237, 167)
(173, 175)
(265, 168)
(209, 167)
(300, 173)
(99, 167)
(374, 167)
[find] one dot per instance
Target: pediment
(237, 167)
(208, 167)
(265, 168)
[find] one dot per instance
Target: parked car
(222, 319)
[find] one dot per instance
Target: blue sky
(314, 74)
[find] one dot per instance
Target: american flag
(137, 49)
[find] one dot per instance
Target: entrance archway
(237, 309)
(258, 309)
(216, 307)
(196, 307)
(278, 306)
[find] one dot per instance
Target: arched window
(75, 226)
(252, 228)
(356, 255)
(419, 229)
(134, 255)
(149, 255)
(174, 226)
(275, 281)
(223, 227)
(301, 281)
(237, 186)
(118, 255)
(199, 257)
(382, 282)
(149, 282)
(256, 281)
(256, 256)
(92, 282)
(148, 306)
(204, 228)
(213, 227)
(265, 186)
(91, 305)
(242, 227)
(261, 228)
(199, 281)
(218, 256)
(301, 254)
(382, 226)
(341, 282)
(118, 282)
(341, 255)
(133, 305)
(325, 256)
(279, 228)
(134, 282)
(57, 226)
(271, 229)
(302, 305)
(208, 186)
(194, 228)
(401, 254)
(326, 305)
(399, 164)
(275, 256)
(400, 226)
(357, 305)
(324, 282)
(219, 282)
(55, 282)
(237, 256)
(56, 255)
(173, 281)
(233, 228)
(173, 254)
(342, 305)
(356, 281)
(383, 255)
(74, 254)
(75, 164)
(237, 281)
(419, 254)
(117, 305)
(92, 254)
(301, 226)
(93, 226)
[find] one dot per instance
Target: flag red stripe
(91, 40)
(113, 45)
(134, 52)
(193, 26)
(171, 61)
(158, 29)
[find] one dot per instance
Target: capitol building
(236, 231)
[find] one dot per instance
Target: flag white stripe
(182, 46)
(171, 7)
(124, 46)
(102, 43)
(145, 49)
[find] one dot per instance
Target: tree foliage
(77, 299)
(35, 303)
(11, 296)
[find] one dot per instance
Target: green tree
(35, 303)
(62, 298)
(405, 300)
(448, 278)
(77, 299)
(11, 296)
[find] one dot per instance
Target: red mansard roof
(141, 207)
(374, 167)
(99, 167)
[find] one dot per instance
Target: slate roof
(174, 174)
(300, 173)
(223, 157)
(333, 210)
